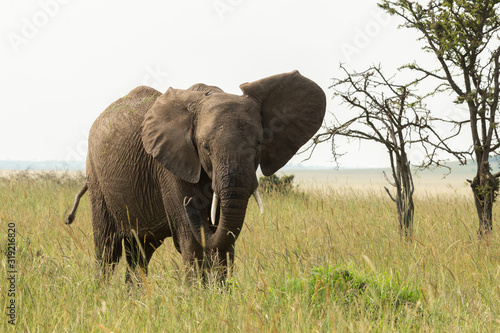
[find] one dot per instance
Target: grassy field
(317, 262)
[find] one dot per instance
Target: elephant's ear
(293, 108)
(167, 134)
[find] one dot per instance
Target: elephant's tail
(71, 216)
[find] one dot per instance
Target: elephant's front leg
(223, 262)
(191, 251)
(213, 263)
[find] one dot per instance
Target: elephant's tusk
(213, 212)
(259, 201)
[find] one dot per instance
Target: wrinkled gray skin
(155, 160)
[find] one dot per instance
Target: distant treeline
(42, 165)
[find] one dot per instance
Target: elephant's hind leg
(107, 240)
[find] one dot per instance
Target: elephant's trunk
(215, 205)
(233, 206)
(232, 200)
(232, 215)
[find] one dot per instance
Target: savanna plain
(326, 256)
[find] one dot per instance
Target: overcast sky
(64, 61)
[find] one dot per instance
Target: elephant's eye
(206, 148)
(258, 144)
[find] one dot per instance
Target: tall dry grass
(313, 262)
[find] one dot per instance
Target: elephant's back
(115, 137)
(114, 131)
(126, 114)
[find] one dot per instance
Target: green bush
(348, 285)
(355, 291)
(273, 183)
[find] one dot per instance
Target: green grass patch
(347, 286)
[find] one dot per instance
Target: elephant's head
(203, 130)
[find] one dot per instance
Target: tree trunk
(406, 221)
(485, 189)
(403, 182)
(406, 200)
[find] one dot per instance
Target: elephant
(183, 164)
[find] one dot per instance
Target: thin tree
(393, 115)
(463, 36)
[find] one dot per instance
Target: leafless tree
(463, 35)
(393, 115)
